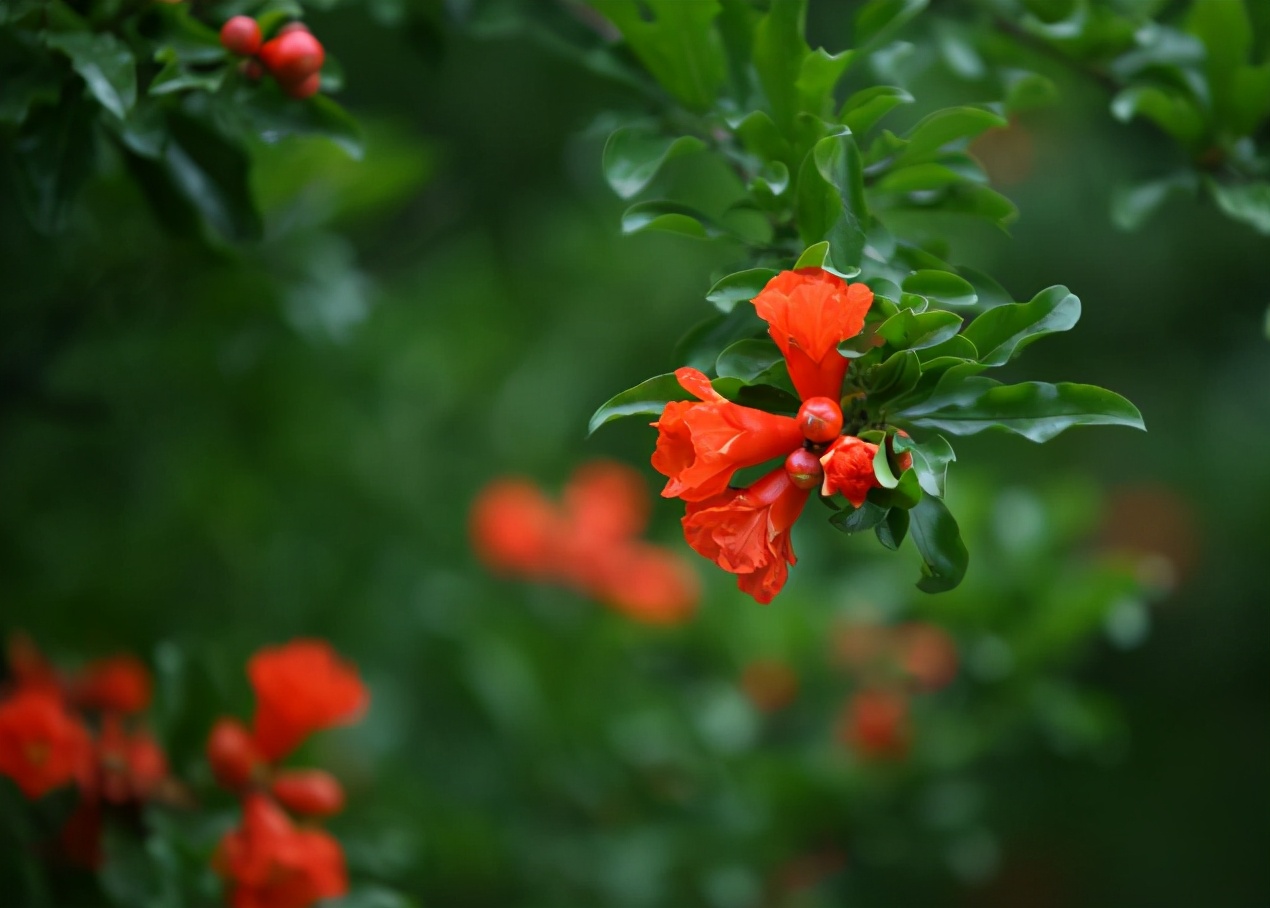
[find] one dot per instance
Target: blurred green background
(205, 450)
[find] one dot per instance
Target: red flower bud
(293, 57)
(233, 754)
(804, 469)
(305, 88)
(309, 792)
(820, 419)
(241, 36)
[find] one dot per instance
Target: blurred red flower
(770, 684)
(650, 584)
(746, 532)
(515, 529)
(301, 687)
(809, 312)
(928, 654)
(700, 445)
(42, 746)
(308, 792)
(119, 684)
(269, 863)
(233, 755)
(875, 724)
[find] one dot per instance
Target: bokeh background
(206, 449)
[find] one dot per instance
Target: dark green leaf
(740, 287)
(1002, 333)
(930, 461)
(855, 520)
(1035, 410)
(52, 157)
(831, 203)
(703, 343)
(918, 178)
(892, 530)
(755, 361)
(943, 127)
(105, 63)
(669, 217)
(276, 117)
(941, 286)
(906, 493)
(634, 154)
(938, 541)
(212, 173)
(648, 398)
(907, 330)
(895, 377)
(174, 77)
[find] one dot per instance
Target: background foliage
(233, 419)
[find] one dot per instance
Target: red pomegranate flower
(514, 528)
(42, 746)
(117, 684)
(701, 444)
(848, 466)
(648, 583)
(746, 532)
(809, 312)
(269, 863)
(301, 687)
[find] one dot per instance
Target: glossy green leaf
(648, 399)
(779, 49)
(882, 469)
(938, 540)
(908, 330)
(930, 461)
(895, 377)
(105, 63)
(634, 154)
(740, 287)
(754, 361)
(1002, 333)
(862, 111)
(893, 528)
(946, 126)
(856, 520)
(677, 42)
(1247, 202)
(831, 203)
(942, 287)
(1036, 410)
(918, 178)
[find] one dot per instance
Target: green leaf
(1247, 202)
(907, 330)
(276, 117)
(906, 493)
(930, 461)
(174, 77)
(943, 127)
(878, 19)
(779, 49)
(1002, 333)
(1036, 410)
(1174, 112)
(831, 203)
(1224, 28)
(52, 157)
(893, 528)
(882, 468)
(669, 217)
(739, 287)
(676, 41)
(634, 154)
(648, 398)
(754, 361)
(918, 178)
(703, 343)
(856, 520)
(1132, 205)
(1028, 91)
(37, 83)
(938, 541)
(895, 377)
(862, 111)
(105, 63)
(941, 286)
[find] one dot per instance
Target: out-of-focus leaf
(174, 77)
(105, 63)
(740, 287)
(212, 173)
(1028, 91)
(1224, 28)
(1168, 108)
(1247, 202)
(38, 82)
(676, 41)
(669, 217)
(275, 117)
(1000, 334)
(1036, 410)
(941, 286)
(918, 178)
(52, 157)
(865, 108)
(634, 154)
(938, 541)
(648, 398)
(1132, 205)
(879, 19)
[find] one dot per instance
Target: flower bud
(308, 792)
(293, 57)
(233, 755)
(241, 36)
(804, 469)
(820, 419)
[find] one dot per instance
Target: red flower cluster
(588, 542)
(294, 57)
(702, 443)
(889, 663)
(301, 687)
(56, 729)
